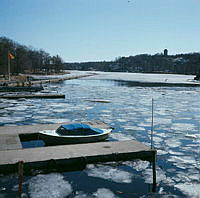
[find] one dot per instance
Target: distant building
(165, 52)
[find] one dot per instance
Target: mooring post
(20, 173)
(154, 171)
(152, 125)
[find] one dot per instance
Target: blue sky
(97, 30)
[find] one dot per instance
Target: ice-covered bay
(176, 131)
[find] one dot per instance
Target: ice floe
(160, 176)
(121, 136)
(135, 128)
(109, 173)
(137, 165)
(183, 127)
(104, 193)
(52, 185)
(173, 142)
(190, 189)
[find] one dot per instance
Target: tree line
(27, 59)
(158, 63)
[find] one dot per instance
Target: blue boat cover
(78, 129)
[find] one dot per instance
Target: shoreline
(129, 79)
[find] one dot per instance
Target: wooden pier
(11, 151)
(18, 96)
(16, 88)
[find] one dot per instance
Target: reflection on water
(176, 136)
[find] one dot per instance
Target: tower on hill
(165, 52)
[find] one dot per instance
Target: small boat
(73, 134)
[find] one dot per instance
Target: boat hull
(59, 140)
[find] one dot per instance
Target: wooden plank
(91, 153)
(10, 142)
(33, 96)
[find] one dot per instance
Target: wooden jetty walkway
(20, 88)
(11, 151)
(18, 96)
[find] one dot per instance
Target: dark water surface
(176, 137)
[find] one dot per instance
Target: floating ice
(192, 136)
(6, 119)
(121, 136)
(121, 120)
(135, 128)
(137, 165)
(157, 139)
(109, 173)
(106, 111)
(183, 127)
(52, 185)
(173, 142)
(82, 195)
(104, 193)
(190, 189)
(18, 108)
(158, 121)
(175, 153)
(52, 120)
(160, 176)
(11, 119)
(182, 159)
(161, 152)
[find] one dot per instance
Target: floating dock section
(18, 96)
(20, 89)
(45, 158)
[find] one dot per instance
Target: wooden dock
(11, 151)
(18, 96)
(20, 89)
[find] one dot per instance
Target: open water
(176, 137)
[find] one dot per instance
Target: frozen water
(161, 152)
(190, 189)
(82, 195)
(173, 142)
(135, 128)
(54, 120)
(176, 125)
(160, 176)
(121, 136)
(137, 165)
(182, 159)
(109, 173)
(183, 127)
(104, 193)
(51, 185)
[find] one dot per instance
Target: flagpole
(8, 66)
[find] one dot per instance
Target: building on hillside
(165, 52)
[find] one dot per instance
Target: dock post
(20, 172)
(154, 172)
(152, 125)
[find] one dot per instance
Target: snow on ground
(145, 77)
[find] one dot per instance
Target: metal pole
(152, 126)
(8, 66)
